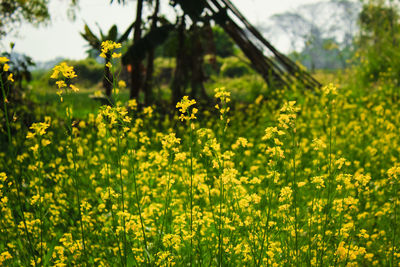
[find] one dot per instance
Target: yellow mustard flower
(3, 60)
(6, 67)
(10, 77)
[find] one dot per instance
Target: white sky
(62, 39)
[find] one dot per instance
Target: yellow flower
(148, 111)
(330, 89)
(10, 77)
(6, 67)
(132, 104)
(183, 107)
(3, 176)
(109, 65)
(3, 60)
(318, 181)
(109, 46)
(286, 194)
(38, 128)
(222, 94)
(74, 88)
(116, 55)
(61, 84)
(318, 144)
(122, 84)
(46, 142)
(54, 75)
(66, 71)
(4, 256)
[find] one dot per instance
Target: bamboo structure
(276, 69)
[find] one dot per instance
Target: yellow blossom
(61, 84)
(63, 69)
(6, 67)
(74, 88)
(121, 84)
(3, 60)
(116, 55)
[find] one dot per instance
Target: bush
(235, 67)
(90, 71)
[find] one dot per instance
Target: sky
(61, 37)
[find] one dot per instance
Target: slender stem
(191, 194)
(40, 211)
(328, 204)
(166, 202)
(15, 182)
(112, 210)
(266, 232)
(122, 195)
(139, 210)
(75, 178)
(5, 111)
(295, 195)
(394, 226)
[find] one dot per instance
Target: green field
(309, 177)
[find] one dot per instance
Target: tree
(313, 26)
(192, 22)
(14, 12)
(95, 44)
(378, 50)
(148, 82)
(136, 77)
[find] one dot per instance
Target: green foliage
(235, 67)
(323, 170)
(95, 41)
(164, 69)
(151, 40)
(91, 72)
(378, 43)
(244, 89)
(12, 12)
(36, 12)
(224, 45)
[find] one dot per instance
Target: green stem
(295, 196)
(122, 195)
(329, 186)
(40, 209)
(392, 263)
(75, 179)
(139, 210)
(191, 193)
(16, 183)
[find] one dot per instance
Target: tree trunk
(148, 84)
(135, 74)
(107, 79)
(179, 75)
(197, 62)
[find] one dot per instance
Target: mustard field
(307, 178)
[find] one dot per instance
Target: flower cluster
(107, 47)
(63, 71)
(4, 67)
(38, 128)
(63, 74)
(183, 107)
